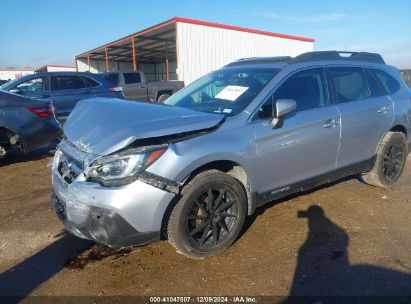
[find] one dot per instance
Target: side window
(349, 84)
(31, 85)
(67, 82)
(307, 88)
(388, 82)
(130, 78)
(375, 88)
(90, 83)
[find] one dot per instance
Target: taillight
(115, 89)
(42, 112)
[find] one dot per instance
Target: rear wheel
(209, 216)
(163, 97)
(390, 161)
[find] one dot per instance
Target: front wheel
(390, 161)
(209, 216)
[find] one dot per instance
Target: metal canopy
(153, 45)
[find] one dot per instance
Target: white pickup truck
(135, 86)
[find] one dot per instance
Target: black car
(64, 89)
(26, 122)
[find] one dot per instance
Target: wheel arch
(399, 128)
(395, 128)
(6, 133)
(163, 91)
(230, 167)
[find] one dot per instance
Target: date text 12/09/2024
(205, 299)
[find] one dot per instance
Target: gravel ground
(343, 239)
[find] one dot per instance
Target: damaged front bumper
(101, 225)
(114, 216)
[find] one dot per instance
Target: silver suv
(259, 129)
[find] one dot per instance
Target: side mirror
(282, 107)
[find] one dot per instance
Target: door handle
(330, 123)
(383, 109)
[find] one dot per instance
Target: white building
(185, 49)
(55, 68)
(13, 73)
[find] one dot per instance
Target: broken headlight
(122, 168)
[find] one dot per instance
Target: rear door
(67, 91)
(366, 113)
(133, 86)
(306, 144)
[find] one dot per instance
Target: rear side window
(111, 77)
(130, 78)
(307, 88)
(388, 82)
(68, 82)
(349, 84)
(373, 84)
(91, 83)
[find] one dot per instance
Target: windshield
(226, 91)
(10, 83)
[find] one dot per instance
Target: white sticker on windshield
(231, 92)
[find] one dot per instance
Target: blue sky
(40, 32)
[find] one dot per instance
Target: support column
(134, 54)
(167, 70)
(88, 61)
(105, 51)
(167, 67)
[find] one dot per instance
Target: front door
(34, 86)
(305, 146)
(133, 86)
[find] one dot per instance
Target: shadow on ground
(22, 279)
(323, 267)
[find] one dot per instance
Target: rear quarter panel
(33, 131)
(402, 102)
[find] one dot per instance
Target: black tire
(197, 231)
(390, 162)
(3, 151)
(163, 97)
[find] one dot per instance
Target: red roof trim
(198, 22)
(241, 29)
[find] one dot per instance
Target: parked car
(254, 131)
(135, 86)
(26, 122)
(3, 82)
(65, 89)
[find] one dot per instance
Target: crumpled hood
(105, 125)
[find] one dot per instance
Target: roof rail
(338, 55)
(253, 60)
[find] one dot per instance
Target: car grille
(68, 167)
